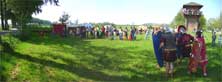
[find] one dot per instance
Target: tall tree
(55, 2)
(21, 11)
(64, 18)
(203, 22)
(2, 7)
(178, 20)
(40, 21)
(221, 19)
(213, 23)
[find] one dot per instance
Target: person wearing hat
(183, 41)
(168, 45)
(198, 55)
(156, 45)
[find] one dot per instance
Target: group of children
(169, 47)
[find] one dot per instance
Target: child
(198, 55)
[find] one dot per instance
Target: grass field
(55, 59)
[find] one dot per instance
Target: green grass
(56, 59)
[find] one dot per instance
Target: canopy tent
(88, 25)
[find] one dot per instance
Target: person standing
(156, 44)
(120, 34)
(106, 31)
(198, 55)
(114, 34)
(135, 32)
(184, 42)
(126, 33)
(214, 37)
(99, 32)
(95, 32)
(78, 31)
(179, 47)
(131, 34)
(103, 31)
(168, 45)
(147, 34)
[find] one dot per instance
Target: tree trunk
(13, 23)
(6, 24)
(5, 19)
(2, 15)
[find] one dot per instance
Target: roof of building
(192, 4)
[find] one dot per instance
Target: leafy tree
(203, 22)
(178, 20)
(55, 2)
(103, 24)
(3, 10)
(40, 21)
(20, 11)
(23, 9)
(64, 18)
(213, 23)
(220, 20)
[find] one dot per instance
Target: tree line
(20, 11)
(215, 23)
(210, 24)
(40, 21)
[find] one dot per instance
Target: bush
(8, 43)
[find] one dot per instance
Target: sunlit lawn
(55, 59)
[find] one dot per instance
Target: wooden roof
(192, 4)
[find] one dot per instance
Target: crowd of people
(111, 33)
(171, 46)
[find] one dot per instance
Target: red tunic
(185, 42)
(198, 55)
(203, 56)
(195, 57)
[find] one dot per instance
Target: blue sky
(125, 11)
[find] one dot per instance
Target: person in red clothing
(198, 56)
(103, 31)
(184, 42)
